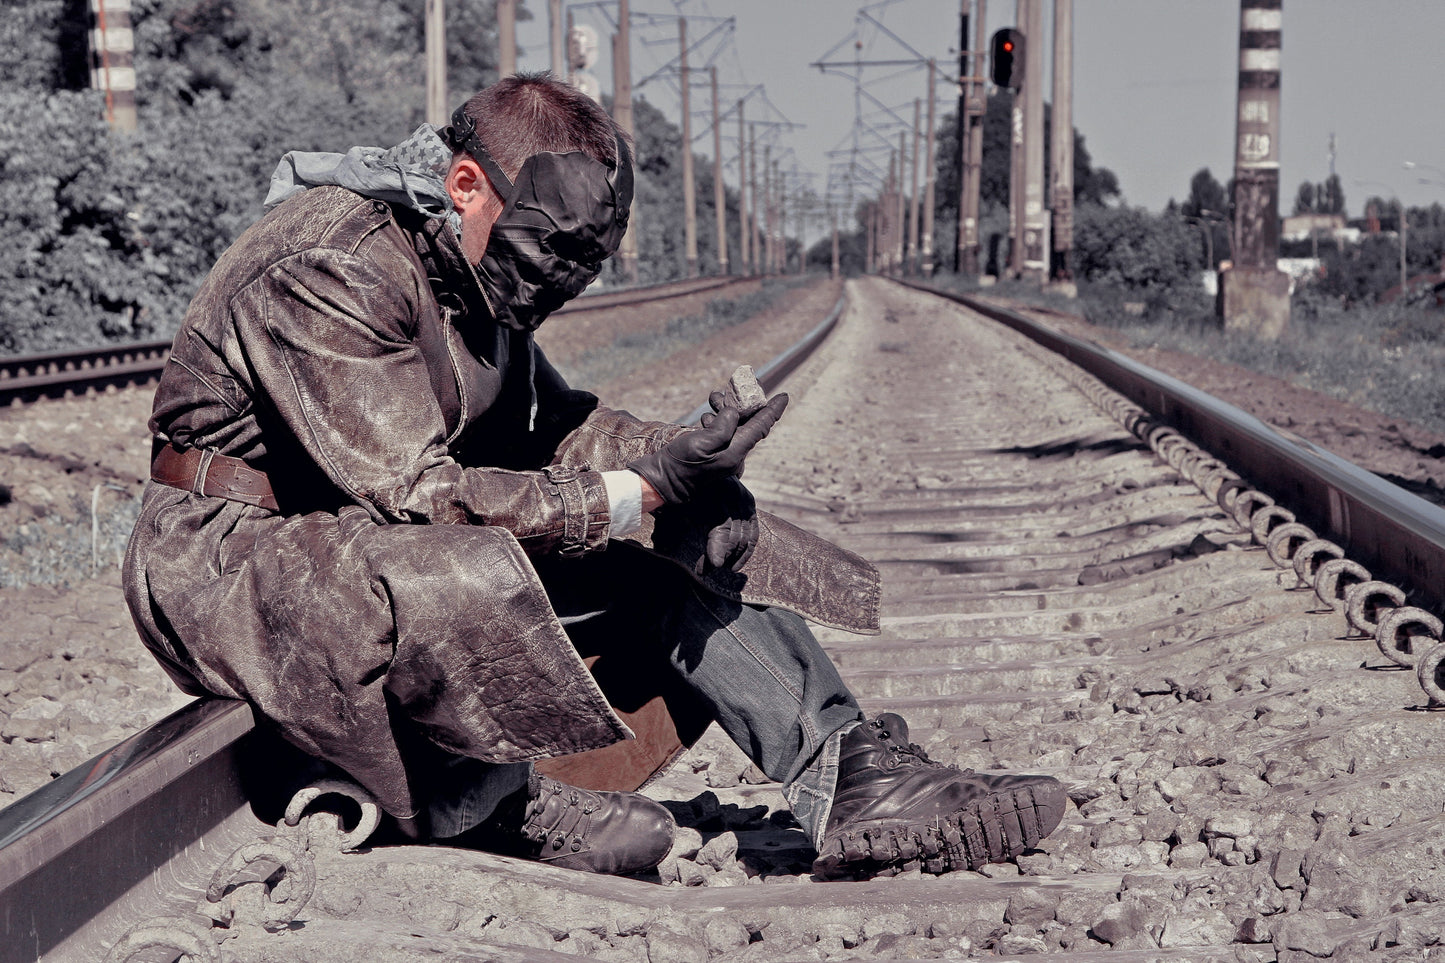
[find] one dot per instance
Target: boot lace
(559, 815)
(907, 753)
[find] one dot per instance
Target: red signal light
(1006, 68)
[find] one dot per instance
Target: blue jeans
(760, 671)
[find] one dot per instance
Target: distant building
(1303, 227)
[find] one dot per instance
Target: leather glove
(692, 461)
(731, 540)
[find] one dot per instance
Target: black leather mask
(564, 216)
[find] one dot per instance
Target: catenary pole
(745, 197)
(436, 63)
(506, 37)
(929, 178)
(689, 184)
(558, 38)
(1035, 216)
(961, 238)
(1061, 147)
(719, 194)
(754, 226)
(622, 113)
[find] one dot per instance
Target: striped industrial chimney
(1254, 293)
(112, 60)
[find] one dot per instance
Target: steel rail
(121, 821)
(1397, 534)
(49, 374)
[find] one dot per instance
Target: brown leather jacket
(345, 349)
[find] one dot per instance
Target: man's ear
(467, 185)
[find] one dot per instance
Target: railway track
(1253, 777)
(57, 373)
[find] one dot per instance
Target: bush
(1133, 249)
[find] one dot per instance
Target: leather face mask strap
(463, 135)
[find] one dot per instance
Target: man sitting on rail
(381, 517)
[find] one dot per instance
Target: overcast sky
(1155, 81)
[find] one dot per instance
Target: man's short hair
(529, 113)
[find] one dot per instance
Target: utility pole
(869, 257)
(745, 234)
(833, 218)
(928, 176)
(112, 61)
(436, 63)
(972, 106)
(1035, 219)
(962, 238)
(886, 216)
(1061, 152)
(900, 206)
(754, 227)
(506, 37)
(913, 228)
(622, 114)
(555, 24)
(1254, 293)
(767, 211)
(719, 195)
(689, 185)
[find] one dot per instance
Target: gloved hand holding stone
(692, 461)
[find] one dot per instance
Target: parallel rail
(27, 377)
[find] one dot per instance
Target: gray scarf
(412, 174)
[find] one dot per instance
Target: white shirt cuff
(624, 500)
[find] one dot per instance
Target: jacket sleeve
(584, 432)
(330, 336)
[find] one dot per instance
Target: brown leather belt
(211, 473)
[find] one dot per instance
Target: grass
(1387, 358)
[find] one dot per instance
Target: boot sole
(991, 830)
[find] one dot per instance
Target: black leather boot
(618, 833)
(895, 809)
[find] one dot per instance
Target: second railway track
(1250, 780)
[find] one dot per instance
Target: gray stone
(897, 924)
(720, 851)
(1188, 856)
(724, 935)
(1118, 833)
(1230, 824)
(1019, 945)
(1080, 907)
(894, 946)
(1197, 927)
(1031, 908)
(1117, 921)
(669, 946)
(1307, 931)
(693, 874)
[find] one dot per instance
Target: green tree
(1131, 248)
(112, 234)
(1304, 198)
(1092, 184)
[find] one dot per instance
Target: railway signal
(1006, 58)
